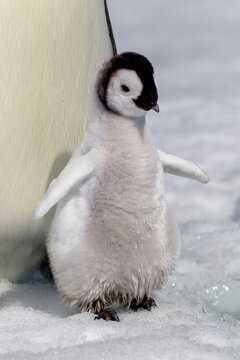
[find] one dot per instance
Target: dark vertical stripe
(110, 30)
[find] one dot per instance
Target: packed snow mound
(196, 316)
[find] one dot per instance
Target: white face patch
(125, 86)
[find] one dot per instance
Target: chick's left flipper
(178, 166)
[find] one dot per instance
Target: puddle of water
(224, 298)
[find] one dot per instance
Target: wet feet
(146, 303)
(107, 314)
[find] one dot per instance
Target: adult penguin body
(50, 52)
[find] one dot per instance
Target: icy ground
(196, 317)
(194, 46)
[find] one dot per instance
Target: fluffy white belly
(106, 241)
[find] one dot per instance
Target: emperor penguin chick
(112, 238)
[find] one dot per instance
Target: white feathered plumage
(113, 237)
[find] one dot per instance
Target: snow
(194, 47)
(196, 317)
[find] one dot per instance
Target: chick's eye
(125, 88)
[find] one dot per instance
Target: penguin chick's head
(126, 85)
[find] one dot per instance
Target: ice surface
(196, 316)
(194, 46)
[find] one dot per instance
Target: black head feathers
(130, 61)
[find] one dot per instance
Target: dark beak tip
(156, 107)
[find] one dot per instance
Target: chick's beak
(156, 107)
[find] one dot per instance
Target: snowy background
(194, 47)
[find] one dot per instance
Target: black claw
(134, 305)
(149, 303)
(146, 303)
(107, 314)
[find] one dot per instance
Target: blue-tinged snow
(194, 47)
